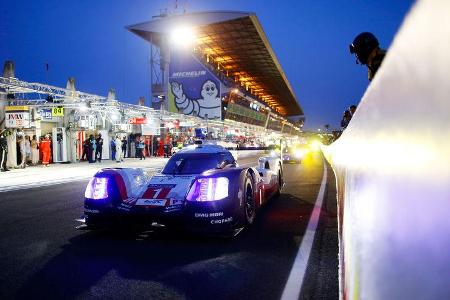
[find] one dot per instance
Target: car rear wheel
(249, 201)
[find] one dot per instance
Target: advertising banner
(193, 89)
(17, 117)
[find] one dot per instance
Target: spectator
(46, 150)
(352, 109)
(86, 146)
(140, 148)
(3, 151)
(34, 151)
(22, 152)
(345, 119)
(112, 144)
(366, 48)
(124, 146)
(27, 149)
(118, 143)
(91, 149)
(99, 148)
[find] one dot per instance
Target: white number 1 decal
(157, 192)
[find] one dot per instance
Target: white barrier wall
(393, 169)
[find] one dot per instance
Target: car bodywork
(213, 199)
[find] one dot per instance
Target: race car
(293, 154)
(201, 188)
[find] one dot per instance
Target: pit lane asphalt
(42, 256)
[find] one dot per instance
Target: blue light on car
(97, 188)
(209, 189)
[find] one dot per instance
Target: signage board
(17, 108)
(17, 119)
(138, 121)
(58, 111)
(193, 89)
(46, 113)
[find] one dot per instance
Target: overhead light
(182, 37)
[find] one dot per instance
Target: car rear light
(208, 189)
(97, 188)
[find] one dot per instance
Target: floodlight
(182, 36)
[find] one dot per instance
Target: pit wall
(392, 166)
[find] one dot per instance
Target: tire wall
(392, 166)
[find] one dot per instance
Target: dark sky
(86, 39)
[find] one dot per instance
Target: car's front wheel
(249, 200)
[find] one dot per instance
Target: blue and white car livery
(200, 188)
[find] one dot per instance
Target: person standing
(3, 151)
(124, 146)
(27, 149)
(99, 148)
(352, 109)
(368, 52)
(112, 144)
(34, 151)
(46, 150)
(118, 143)
(141, 146)
(86, 144)
(346, 119)
(22, 150)
(91, 149)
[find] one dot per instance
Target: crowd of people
(29, 151)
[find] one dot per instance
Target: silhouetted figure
(366, 48)
(99, 148)
(345, 119)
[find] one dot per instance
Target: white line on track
(295, 281)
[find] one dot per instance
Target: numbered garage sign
(58, 111)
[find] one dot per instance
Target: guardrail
(392, 166)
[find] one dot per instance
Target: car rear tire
(249, 200)
(280, 183)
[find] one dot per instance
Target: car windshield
(190, 163)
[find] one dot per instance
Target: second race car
(201, 188)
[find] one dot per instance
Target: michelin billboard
(193, 89)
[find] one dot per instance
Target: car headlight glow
(209, 189)
(299, 153)
(97, 188)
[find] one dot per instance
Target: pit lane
(43, 256)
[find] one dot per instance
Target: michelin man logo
(209, 105)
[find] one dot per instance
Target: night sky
(87, 40)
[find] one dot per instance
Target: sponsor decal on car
(208, 215)
(152, 202)
(222, 221)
